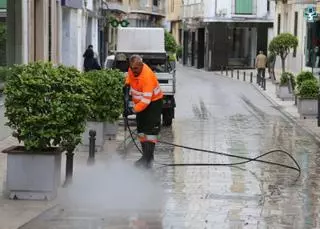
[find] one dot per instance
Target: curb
(290, 117)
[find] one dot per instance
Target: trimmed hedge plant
(106, 104)
(303, 76)
(47, 106)
(309, 89)
(284, 80)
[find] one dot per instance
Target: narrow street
(213, 113)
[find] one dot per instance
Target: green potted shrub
(179, 52)
(301, 77)
(106, 104)
(4, 73)
(283, 91)
(46, 106)
(308, 98)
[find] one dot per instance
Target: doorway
(201, 38)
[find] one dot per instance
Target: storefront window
(313, 45)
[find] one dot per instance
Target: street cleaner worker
(147, 98)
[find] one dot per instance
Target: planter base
(33, 175)
(110, 130)
(308, 108)
(98, 127)
(283, 93)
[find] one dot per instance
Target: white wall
(72, 36)
(226, 7)
(293, 64)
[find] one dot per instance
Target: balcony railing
(192, 10)
(144, 6)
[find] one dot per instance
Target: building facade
(174, 16)
(146, 13)
(224, 33)
(290, 18)
(52, 30)
(33, 31)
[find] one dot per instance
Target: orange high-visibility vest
(144, 88)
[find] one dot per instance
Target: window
(295, 31)
(244, 6)
(268, 5)
(313, 44)
(155, 2)
(279, 24)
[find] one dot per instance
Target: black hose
(247, 159)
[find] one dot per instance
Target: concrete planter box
(283, 93)
(98, 127)
(33, 176)
(308, 108)
(111, 129)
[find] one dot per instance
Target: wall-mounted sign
(310, 13)
(116, 23)
(77, 4)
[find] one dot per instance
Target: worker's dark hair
(90, 46)
(134, 58)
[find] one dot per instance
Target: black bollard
(226, 70)
(92, 145)
(238, 74)
(221, 70)
(231, 72)
(69, 167)
(244, 76)
(251, 76)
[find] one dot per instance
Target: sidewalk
(286, 107)
(14, 214)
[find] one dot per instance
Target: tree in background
(281, 46)
(170, 44)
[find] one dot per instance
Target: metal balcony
(192, 11)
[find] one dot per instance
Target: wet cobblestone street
(212, 113)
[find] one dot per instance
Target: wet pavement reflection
(224, 115)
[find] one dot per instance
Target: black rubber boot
(148, 155)
(149, 149)
(143, 160)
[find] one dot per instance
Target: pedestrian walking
(90, 62)
(147, 98)
(261, 64)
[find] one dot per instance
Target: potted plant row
(106, 104)
(302, 77)
(308, 98)
(286, 87)
(47, 107)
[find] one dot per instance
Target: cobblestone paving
(212, 113)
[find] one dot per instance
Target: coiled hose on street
(246, 159)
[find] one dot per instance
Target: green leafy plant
(47, 106)
(303, 76)
(179, 52)
(281, 46)
(170, 42)
(172, 57)
(3, 40)
(309, 89)
(4, 73)
(284, 80)
(106, 95)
